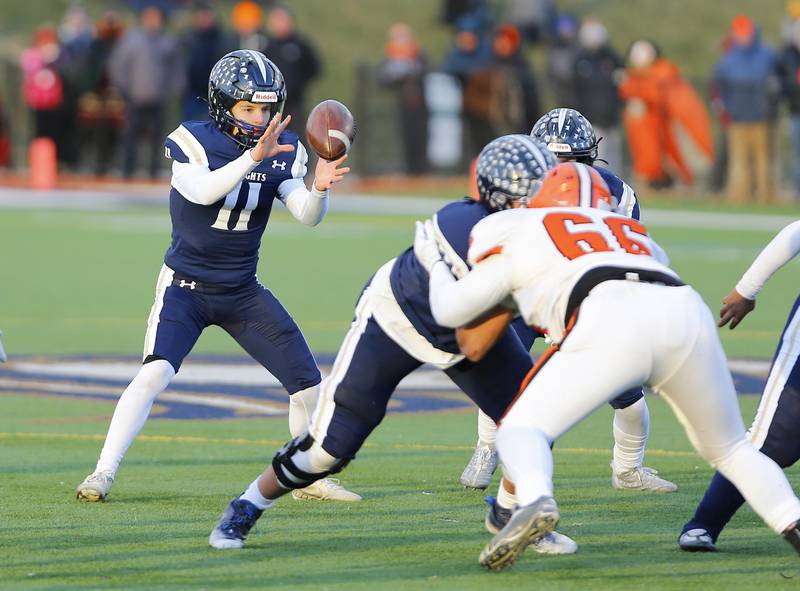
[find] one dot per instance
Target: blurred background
(686, 94)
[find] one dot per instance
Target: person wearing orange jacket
(657, 100)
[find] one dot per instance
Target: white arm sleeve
(200, 185)
(307, 207)
(455, 303)
(783, 248)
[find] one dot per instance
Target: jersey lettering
(573, 244)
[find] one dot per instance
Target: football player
(394, 333)
(775, 428)
(226, 175)
(570, 136)
(592, 279)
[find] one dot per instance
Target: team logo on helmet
(573, 184)
(244, 75)
(567, 133)
(510, 169)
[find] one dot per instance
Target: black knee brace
(287, 472)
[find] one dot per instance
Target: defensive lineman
(775, 428)
(226, 173)
(570, 136)
(593, 283)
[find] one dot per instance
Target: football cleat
(696, 540)
(641, 478)
(478, 472)
(553, 543)
(325, 489)
(792, 535)
(96, 486)
(527, 524)
(234, 525)
(2, 351)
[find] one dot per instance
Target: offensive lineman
(593, 282)
(570, 136)
(394, 333)
(775, 427)
(226, 174)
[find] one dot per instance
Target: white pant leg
(702, 394)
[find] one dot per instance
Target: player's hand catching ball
(735, 307)
(268, 145)
(328, 172)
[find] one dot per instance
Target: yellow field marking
(243, 441)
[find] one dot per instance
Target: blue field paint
(216, 387)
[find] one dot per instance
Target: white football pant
(630, 333)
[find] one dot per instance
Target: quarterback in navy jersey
(570, 136)
(226, 175)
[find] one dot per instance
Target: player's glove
(426, 248)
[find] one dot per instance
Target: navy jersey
(626, 197)
(410, 282)
(219, 243)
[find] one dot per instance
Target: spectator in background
(42, 86)
(101, 110)
(145, 67)
(746, 78)
(453, 10)
(561, 60)
(297, 58)
(719, 170)
(471, 52)
(5, 149)
(75, 36)
(535, 19)
(789, 72)
(659, 105)
(597, 69)
(248, 21)
(204, 45)
(403, 69)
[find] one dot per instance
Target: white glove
(425, 246)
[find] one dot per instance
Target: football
(330, 130)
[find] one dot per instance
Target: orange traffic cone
(43, 163)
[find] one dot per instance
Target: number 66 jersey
(540, 256)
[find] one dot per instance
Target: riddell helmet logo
(559, 148)
(264, 97)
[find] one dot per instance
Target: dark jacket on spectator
(595, 87)
(746, 77)
(788, 71)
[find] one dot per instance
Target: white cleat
(96, 486)
(554, 544)
(696, 540)
(3, 357)
(478, 472)
(528, 524)
(326, 489)
(641, 478)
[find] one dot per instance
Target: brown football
(330, 129)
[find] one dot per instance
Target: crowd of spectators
(101, 91)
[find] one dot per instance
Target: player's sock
(132, 411)
(253, 494)
(301, 406)
(631, 428)
(505, 498)
(721, 501)
(487, 430)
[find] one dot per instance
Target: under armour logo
(189, 284)
(281, 165)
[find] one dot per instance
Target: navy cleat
(496, 517)
(234, 525)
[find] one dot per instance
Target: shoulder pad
(182, 145)
(489, 235)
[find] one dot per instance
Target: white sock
(301, 405)
(132, 410)
(254, 495)
(487, 430)
(505, 499)
(631, 428)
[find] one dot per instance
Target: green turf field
(82, 282)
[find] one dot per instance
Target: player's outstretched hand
(426, 248)
(328, 172)
(268, 145)
(735, 307)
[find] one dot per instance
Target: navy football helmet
(510, 169)
(244, 75)
(568, 134)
